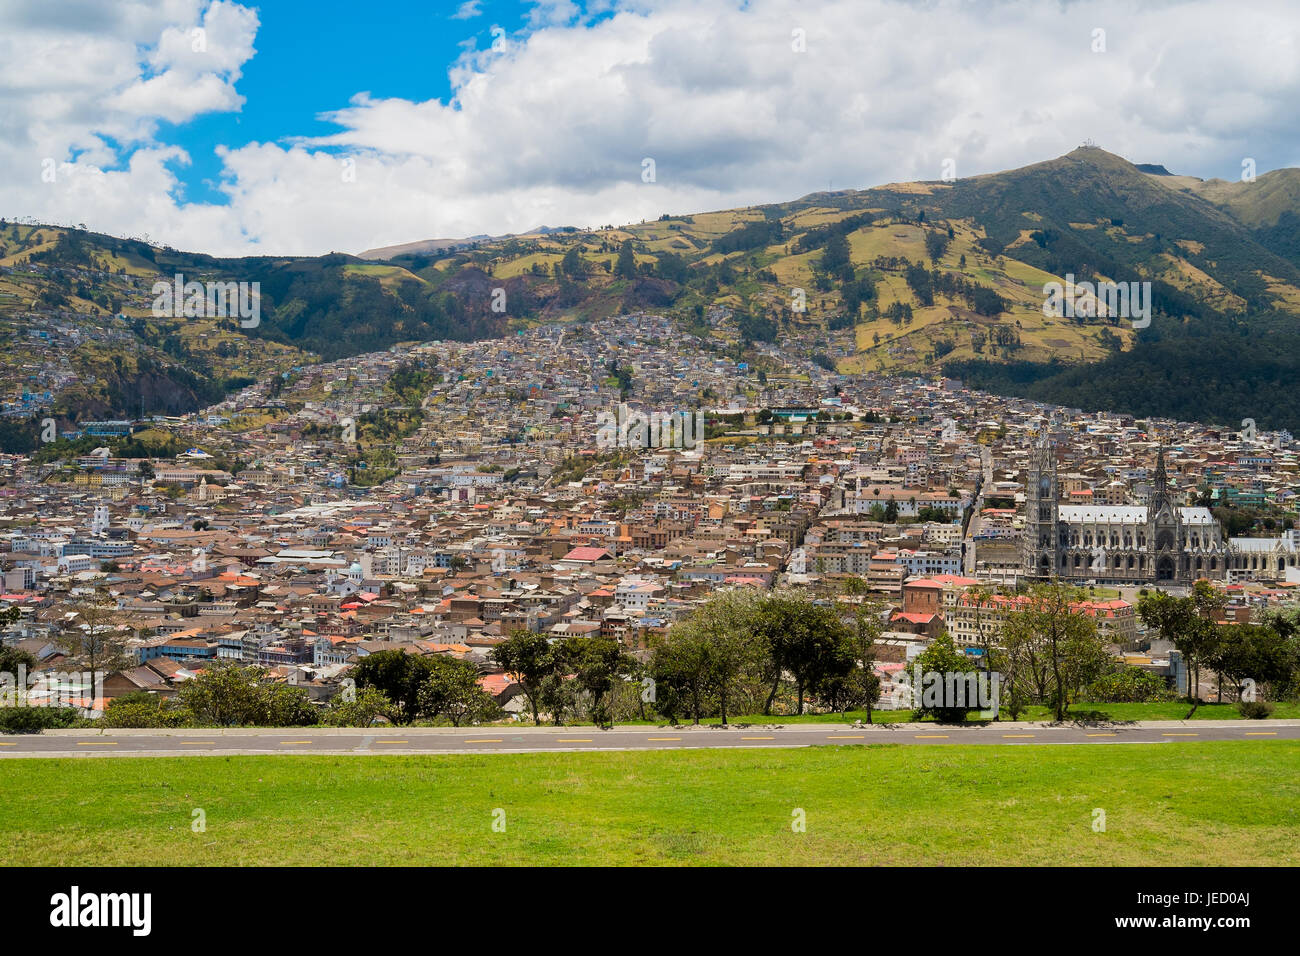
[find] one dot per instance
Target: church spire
(1162, 477)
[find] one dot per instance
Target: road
(427, 740)
(973, 526)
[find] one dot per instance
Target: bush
(289, 707)
(233, 695)
(1254, 709)
(368, 705)
(941, 658)
(32, 720)
(1129, 685)
(145, 710)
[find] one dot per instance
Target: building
(1156, 543)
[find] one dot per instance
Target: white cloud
(553, 128)
(468, 10)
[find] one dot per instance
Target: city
(503, 513)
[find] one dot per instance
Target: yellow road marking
(930, 736)
(1103, 735)
(573, 740)
(1180, 735)
(1255, 733)
(663, 738)
(482, 740)
(96, 743)
(758, 738)
(287, 743)
(4, 744)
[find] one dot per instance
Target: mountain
(1223, 342)
(82, 305)
(421, 247)
(1256, 204)
(908, 278)
(949, 276)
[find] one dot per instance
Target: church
(1158, 543)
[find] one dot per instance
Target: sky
(300, 127)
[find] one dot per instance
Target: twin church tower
(1156, 543)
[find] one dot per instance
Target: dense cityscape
(493, 507)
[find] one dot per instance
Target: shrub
(32, 720)
(145, 710)
(1254, 709)
(233, 695)
(288, 707)
(941, 658)
(368, 705)
(1129, 685)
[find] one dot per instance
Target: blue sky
(301, 127)
(315, 55)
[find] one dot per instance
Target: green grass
(1215, 803)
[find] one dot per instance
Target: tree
(626, 266)
(979, 595)
(941, 667)
(679, 668)
(573, 264)
(1209, 604)
(559, 696)
(724, 627)
(836, 254)
(1255, 651)
(95, 639)
(232, 695)
(14, 658)
(1123, 683)
(804, 639)
(1049, 642)
(862, 684)
(600, 662)
(396, 674)
(529, 659)
(142, 709)
(451, 690)
(367, 705)
(285, 706)
(1185, 621)
(773, 625)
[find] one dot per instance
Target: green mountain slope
(907, 278)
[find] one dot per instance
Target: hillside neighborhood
(496, 511)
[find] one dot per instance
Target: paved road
(421, 740)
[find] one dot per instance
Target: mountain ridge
(939, 277)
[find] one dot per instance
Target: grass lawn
(1211, 803)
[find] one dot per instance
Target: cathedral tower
(1041, 546)
(1164, 526)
